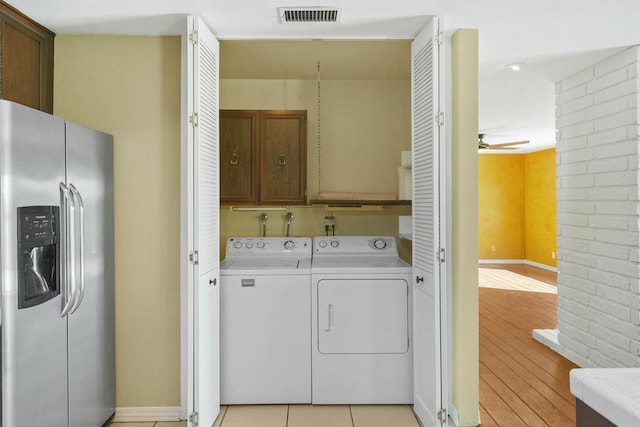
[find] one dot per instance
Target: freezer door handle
(67, 271)
(79, 252)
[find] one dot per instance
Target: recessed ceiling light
(514, 67)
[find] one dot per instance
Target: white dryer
(265, 321)
(361, 322)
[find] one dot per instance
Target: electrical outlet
(553, 255)
(493, 248)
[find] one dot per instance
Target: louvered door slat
(207, 146)
(423, 165)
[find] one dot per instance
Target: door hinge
(439, 118)
(440, 38)
(442, 416)
(193, 119)
(193, 37)
(193, 257)
(193, 418)
(440, 256)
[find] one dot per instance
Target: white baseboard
(453, 415)
(543, 266)
(518, 261)
(501, 261)
(548, 337)
(138, 414)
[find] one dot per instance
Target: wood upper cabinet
(26, 60)
(238, 156)
(263, 157)
(283, 157)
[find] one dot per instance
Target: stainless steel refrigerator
(56, 252)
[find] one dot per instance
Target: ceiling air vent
(292, 15)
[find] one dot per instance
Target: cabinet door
(238, 156)
(283, 157)
(26, 50)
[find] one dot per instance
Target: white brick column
(598, 137)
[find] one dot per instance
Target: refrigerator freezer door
(34, 339)
(91, 323)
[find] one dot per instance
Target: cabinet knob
(419, 279)
(213, 281)
(234, 158)
(282, 160)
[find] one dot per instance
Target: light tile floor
(304, 416)
(150, 424)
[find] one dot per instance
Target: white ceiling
(552, 38)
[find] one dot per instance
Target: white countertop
(612, 392)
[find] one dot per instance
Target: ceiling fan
(504, 146)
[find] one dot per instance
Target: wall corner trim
(140, 413)
(548, 337)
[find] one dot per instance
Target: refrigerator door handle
(66, 250)
(79, 252)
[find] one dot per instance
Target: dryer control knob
(249, 245)
(289, 244)
(379, 244)
(335, 243)
(260, 245)
(237, 244)
(323, 243)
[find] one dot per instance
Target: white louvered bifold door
(206, 149)
(206, 296)
(426, 266)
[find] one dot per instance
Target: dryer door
(363, 316)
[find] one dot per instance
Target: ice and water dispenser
(38, 255)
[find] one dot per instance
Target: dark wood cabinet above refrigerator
(26, 60)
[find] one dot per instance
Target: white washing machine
(361, 322)
(265, 321)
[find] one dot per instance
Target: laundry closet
(361, 98)
(298, 119)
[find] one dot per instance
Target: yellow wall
(309, 221)
(464, 226)
(501, 206)
(130, 87)
(365, 124)
(540, 203)
(517, 206)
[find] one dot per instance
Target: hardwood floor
(522, 382)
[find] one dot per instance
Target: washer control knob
(249, 245)
(335, 243)
(379, 244)
(323, 243)
(260, 245)
(289, 244)
(237, 244)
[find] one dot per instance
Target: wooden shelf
(358, 203)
